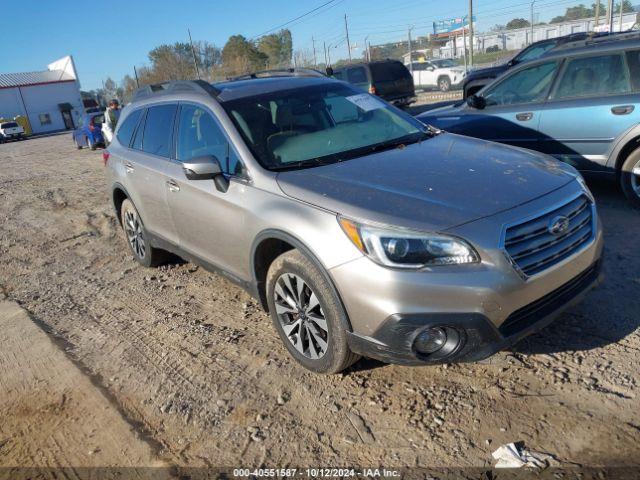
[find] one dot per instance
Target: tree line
(179, 61)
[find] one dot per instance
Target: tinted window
(126, 129)
(535, 51)
(528, 85)
(419, 67)
(9, 125)
(588, 76)
(633, 61)
(157, 130)
(137, 141)
(339, 74)
(357, 75)
(199, 135)
(388, 71)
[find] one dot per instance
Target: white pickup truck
(11, 131)
(442, 74)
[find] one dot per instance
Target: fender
(299, 245)
(620, 143)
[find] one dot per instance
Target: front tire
(444, 84)
(308, 314)
(137, 237)
(630, 178)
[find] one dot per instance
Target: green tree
(278, 48)
(517, 23)
(239, 55)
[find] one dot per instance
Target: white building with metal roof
(49, 99)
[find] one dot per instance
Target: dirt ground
(194, 366)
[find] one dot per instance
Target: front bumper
(393, 341)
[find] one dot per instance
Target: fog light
(430, 341)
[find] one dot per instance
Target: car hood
(433, 185)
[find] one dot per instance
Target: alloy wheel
(300, 315)
(635, 178)
(135, 233)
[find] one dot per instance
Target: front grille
(530, 314)
(533, 248)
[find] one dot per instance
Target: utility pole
(410, 52)
(315, 60)
(367, 53)
(193, 51)
(597, 19)
(470, 33)
(346, 28)
(326, 63)
(532, 3)
(464, 48)
(610, 16)
(135, 72)
(621, 10)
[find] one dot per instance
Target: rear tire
(444, 84)
(137, 238)
(308, 314)
(90, 143)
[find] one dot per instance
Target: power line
(297, 18)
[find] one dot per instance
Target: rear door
(392, 80)
(148, 169)
(593, 102)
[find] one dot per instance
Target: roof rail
(280, 72)
(596, 38)
(194, 86)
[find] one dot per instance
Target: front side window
(199, 135)
(594, 76)
(126, 128)
(158, 130)
(319, 124)
(526, 86)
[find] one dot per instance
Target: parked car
(388, 79)
(89, 133)
(580, 103)
(11, 131)
(443, 74)
(359, 229)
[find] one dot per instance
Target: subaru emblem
(558, 225)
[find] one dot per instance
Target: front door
(589, 108)
(211, 223)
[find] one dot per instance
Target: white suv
(439, 73)
(11, 131)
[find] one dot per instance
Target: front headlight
(402, 248)
(584, 186)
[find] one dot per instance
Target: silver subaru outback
(359, 229)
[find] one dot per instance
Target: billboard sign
(451, 26)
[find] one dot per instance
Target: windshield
(321, 124)
(446, 63)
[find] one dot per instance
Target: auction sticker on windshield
(365, 102)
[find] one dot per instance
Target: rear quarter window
(388, 71)
(126, 129)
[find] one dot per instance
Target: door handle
(524, 117)
(173, 186)
(622, 109)
(128, 167)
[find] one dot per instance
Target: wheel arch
(271, 243)
(118, 195)
(623, 147)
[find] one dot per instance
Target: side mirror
(206, 167)
(477, 102)
(431, 68)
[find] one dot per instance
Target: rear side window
(357, 75)
(388, 71)
(158, 130)
(98, 120)
(594, 76)
(633, 61)
(125, 132)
